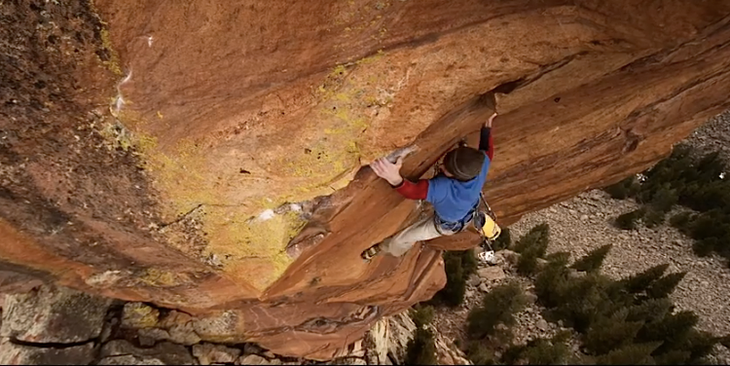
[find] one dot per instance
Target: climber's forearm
(486, 143)
(414, 191)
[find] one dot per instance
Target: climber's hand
(490, 120)
(388, 171)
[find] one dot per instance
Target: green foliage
(664, 198)
(422, 315)
(665, 285)
(649, 310)
(527, 264)
(593, 260)
(610, 333)
(537, 239)
(623, 321)
(653, 218)
(672, 328)
(681, 220)
(498, 307)
(694, 183)
(532, 246)
(632, 354)
(480, 355)
(640, 282)
(628, 221)
(626, 321)
(624, 189)
(541, 351)
(503, 241)
(421, 350)
(459, 265)
(559, 258)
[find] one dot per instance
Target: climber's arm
(414, 191)
(486, 143)
(391, 173)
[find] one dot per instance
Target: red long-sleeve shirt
(419, 190)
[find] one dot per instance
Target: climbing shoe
(371, 252)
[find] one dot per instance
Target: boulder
(493, 273)
(130, 360)
(168, 353)
(256, 360)
(139, 315)
(208, 353)
(15, 354)
(50, 314)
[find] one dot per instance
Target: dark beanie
(464, 163)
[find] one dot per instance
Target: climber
(454, 193)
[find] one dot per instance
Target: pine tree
(453, 293)
(541, 351)
(537, 237)
(699, 344)
(673, 330)
(421, 350)
(469, 262)
(422, 315)
(552, 283)
(649, 311)
(609, 333)
(592, 261)
(673, 357)
(664, 286)
(631, 354)
(640, 282)
(628, 220)
(559, 258)
(498, 307)
(527, 264)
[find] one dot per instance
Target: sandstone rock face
(165, 353)
(53, 315)
(180, 153)
(16, 354)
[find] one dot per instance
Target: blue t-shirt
(453, 199)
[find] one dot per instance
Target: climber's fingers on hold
(399, 162)
(377, 166)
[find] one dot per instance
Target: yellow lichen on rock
(241, 240)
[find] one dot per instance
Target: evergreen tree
(537, 238)
(631, 354)
(527, 263)
(665, 285)
(421, 350)
(560, 258)
(422, 315)
(640, 282)
(541, 351)
(649, 311)
(593, 260)
(498, 307)
(458, 265)
(628, 220)
(609, 333)
(552, 283)
(479, 354)
(673, 330)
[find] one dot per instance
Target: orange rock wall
(233, 111)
